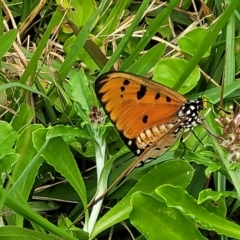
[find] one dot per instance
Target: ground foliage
(58, 148)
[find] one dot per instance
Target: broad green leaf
(209, 39)
(191, 41)
(196, 144)
(203, 158)
(156, 221)
(176, 197)
(167, 72)
(57, 154)
(172, 172)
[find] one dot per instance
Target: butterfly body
(149, 116)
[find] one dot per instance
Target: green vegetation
(58, 149)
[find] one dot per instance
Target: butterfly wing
(135, 104)
(149, 116)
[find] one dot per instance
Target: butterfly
(149, 116)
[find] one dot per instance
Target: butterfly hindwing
(158, 148)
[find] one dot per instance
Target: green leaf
(167, 72)
(203, 158)
(7, 139)
(57, 154)
(29, 161)
(156, 221)
(191, 41)
(215, 201)
(114, 17)
(209, 194)
(80, 90)
(66, 132)
(7, 40)
(11, 232)
(32, 65)
(210, 38)
(164, 29)
(80, 41)
(23, 86)
(109, 26)
(25, 211)
(24, 117)
(81, 11)
(82, 56)
(172, 172)
(148, 60)
(6, 163)
(178, 198)
(152, 29)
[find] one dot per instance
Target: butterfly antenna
(218, 107)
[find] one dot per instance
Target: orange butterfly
(149, 116)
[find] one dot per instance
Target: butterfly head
(189, 113)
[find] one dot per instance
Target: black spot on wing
(141, 93)
(145, 119)
(157, 96)
(168, 99)
(126, 82)
(122, 88)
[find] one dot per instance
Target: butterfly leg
(184, 139)
(184, 150)
(195, 135)
(214, 135)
